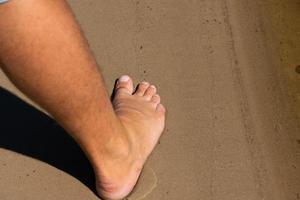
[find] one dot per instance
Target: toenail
(153, 86)
(145, 83)
(124, 78)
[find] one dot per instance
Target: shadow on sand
(26, 130)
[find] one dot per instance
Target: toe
(160, 108)
(141, 89)
(150, 92)
(155, 99)
(124, 85)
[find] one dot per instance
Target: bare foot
(141, 120)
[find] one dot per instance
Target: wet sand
(226, 71)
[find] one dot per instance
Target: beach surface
(227, 71)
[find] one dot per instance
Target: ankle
(109, 148)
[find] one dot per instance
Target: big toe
(124, 85)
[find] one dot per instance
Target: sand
(226, 73)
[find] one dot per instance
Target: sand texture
(227, 72)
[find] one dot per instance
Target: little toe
(155, 99)
(150, 92)
(160, 108)
(141, 89)
(124, 85)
